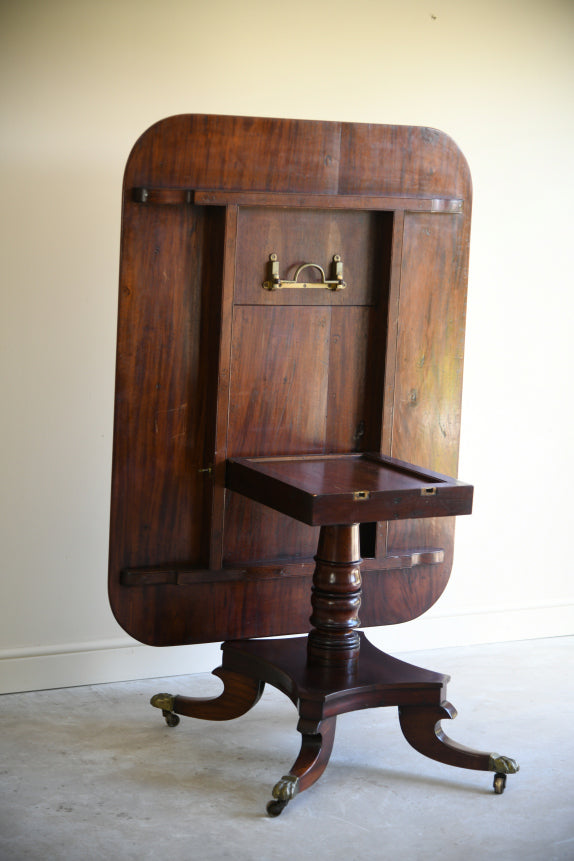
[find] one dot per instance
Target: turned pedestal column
(336, 598)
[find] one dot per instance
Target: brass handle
(275, 282)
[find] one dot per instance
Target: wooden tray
(337, 489)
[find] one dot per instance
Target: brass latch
(274, 281)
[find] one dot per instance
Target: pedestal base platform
(321, 693)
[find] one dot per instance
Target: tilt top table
(290, 344)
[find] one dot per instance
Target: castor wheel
(283, 791)
(499, 783)
(275, 808)
(166, 702)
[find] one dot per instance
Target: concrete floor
(94, 773)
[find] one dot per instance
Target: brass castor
(165, 703)
(283, 791)
(275, 808)
(502, 765)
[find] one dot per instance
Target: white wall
(80, 82)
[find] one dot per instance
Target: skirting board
(70, 665)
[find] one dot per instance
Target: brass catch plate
(275, 282)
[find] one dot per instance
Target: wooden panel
(215, 606)
(430, 341)
(307, 236)
(256, 535)
(429, 363)
(256, 153)
(425, 161)
(313, 376)
(278, 404)
(220, 390)
(357, 360)
(279, 380)
(259, 154)
(163, 378)
(161, 397)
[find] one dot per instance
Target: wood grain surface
(211, 366)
